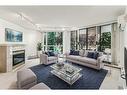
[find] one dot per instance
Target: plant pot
(38, 53)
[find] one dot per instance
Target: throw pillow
(47, 54)
(76, 53)
(51, 53)
(85, 53)
(90, 54)
(81, 52)
(71, 52)
(96, 55)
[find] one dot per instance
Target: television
(13, 35)
(125, 63)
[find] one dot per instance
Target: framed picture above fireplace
(13, 35)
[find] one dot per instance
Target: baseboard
(32, 57)
(111, 65)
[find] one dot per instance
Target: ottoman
(26, 79)
(40, 86)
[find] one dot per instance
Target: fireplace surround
(11, 56)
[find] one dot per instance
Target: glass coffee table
(67, 72)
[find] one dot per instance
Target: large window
(82, 39)
(74, 37)
(53, 41)
(92, 38)
(105, 37)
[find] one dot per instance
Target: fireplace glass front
(18, 57)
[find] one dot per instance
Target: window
(105, 37)
(53, 41)
(82, 39)
(74, 37)
(92, 38)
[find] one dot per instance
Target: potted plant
(39, 49)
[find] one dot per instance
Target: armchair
(45, 59)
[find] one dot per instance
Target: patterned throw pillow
(86, 53)
(81, 52)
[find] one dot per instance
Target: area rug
(91, 79)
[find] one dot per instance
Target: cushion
(51, 58)
(47, 53)
(40, 86)
(76, 53)
(71, 52)
(73, 57)
(95, 55)
(85, 53)
(51, 53)
(82, 59)
(90, 54)
(88, 60)
(25, 77)
(81, 52)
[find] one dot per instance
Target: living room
(88, 51)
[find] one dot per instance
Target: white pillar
(66, 41)
(122, 31)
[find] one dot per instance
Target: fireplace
(18, 57)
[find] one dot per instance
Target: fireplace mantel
(12, 44)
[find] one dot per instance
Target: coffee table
(67, 72)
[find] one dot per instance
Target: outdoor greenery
(39, 46)
(105, 41)
(59, 38)
(51, 38)
(54, 41)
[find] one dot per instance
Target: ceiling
(61, 16)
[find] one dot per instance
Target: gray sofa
(84, 60)
(44, 59)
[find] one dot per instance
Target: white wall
(122, 36)
(30, 37)
(125, 33)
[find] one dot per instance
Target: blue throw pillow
(96, 55)
(76, 53)
(71, 52)
(47, 54)
(90, 54)
(51, 53)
